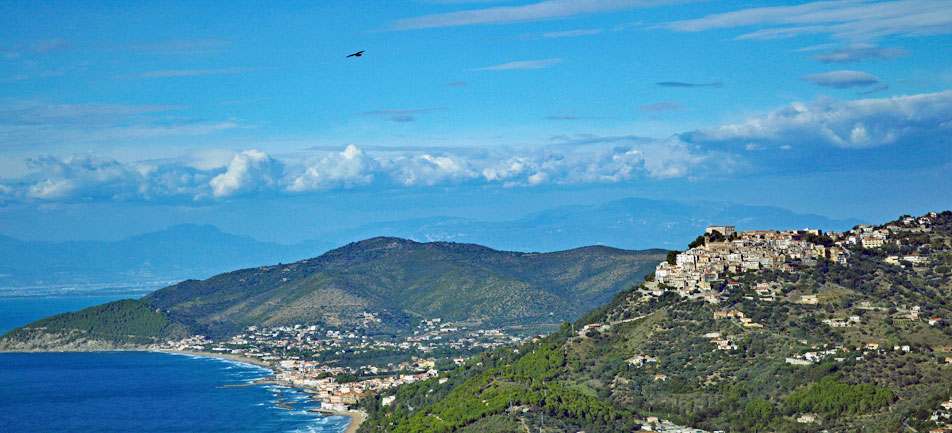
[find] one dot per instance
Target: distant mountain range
(140, 263)
(188, 251)
(632, 223)
(383, 285)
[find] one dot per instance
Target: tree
(673, 257)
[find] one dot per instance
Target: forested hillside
(395, 281)
(403, 281)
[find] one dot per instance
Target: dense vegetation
(127, 321)
(831, 397)
(402, 281)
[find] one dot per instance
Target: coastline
(356, 418)
(239, 358)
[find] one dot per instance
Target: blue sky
(120, 119)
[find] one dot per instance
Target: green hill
(397, 281)
(660, 356)
(124, 323)
(403, 281)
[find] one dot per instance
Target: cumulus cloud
(904, 131)
(842, 19)
(249, 170)
(252, 172)
(348, 168)
(71, 174)
(856, 53)
(428, 170)
(861, 124)
(543, 10)
(522, 64)
(842, 79)
(87, 176)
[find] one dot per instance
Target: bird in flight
(357, 54)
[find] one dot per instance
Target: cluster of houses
(942, 416)
(271, 345)
(700, 271)
(739, 316)
(336, 396)
(703, 268)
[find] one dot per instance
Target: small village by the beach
(339, 368)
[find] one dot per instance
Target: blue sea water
(137, 391)
(146, 392)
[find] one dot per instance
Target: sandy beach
(240, 358)
(356, 418)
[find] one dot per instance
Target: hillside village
(702, 270)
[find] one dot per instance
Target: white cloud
(428, 170)
(912, 120)
(249, 170)
(843, 19)
(842, 79)
(544, 10)
(910, 130)
(523, 64)
(48, 189)
(349, 168)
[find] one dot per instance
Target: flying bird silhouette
(357, 54)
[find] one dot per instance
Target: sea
(139, 391)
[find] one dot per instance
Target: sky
(121, 119)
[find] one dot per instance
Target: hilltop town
(704, 269)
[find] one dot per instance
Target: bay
(147, 392)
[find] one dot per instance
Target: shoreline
(356, 418)
(239, 358)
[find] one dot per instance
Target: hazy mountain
(150, 260)
(188, 251)
(632, 223)
(397, 280)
